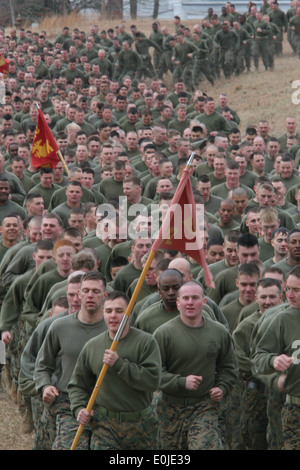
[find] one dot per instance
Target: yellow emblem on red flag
(44, 147)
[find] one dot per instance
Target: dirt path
(11, 437)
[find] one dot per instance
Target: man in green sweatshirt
(63, 251)
(165, 309)
(260, 41)
(123, 279)
(246, 278)
(278, 350)
(199, 369)
(122, 417)
(57, 357)
(294, 26)
(11, 323)
(254, 398)
(225, 281)
(42, 416)
(228, 42)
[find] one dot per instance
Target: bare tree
(155, 9)
(114, 9)
(133, 9)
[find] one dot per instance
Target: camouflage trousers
(240, 60)
(44, 424)
(278, 43)
(271, 54)
(189, 427)
(295, 42)
(165, 64)
(289, 37)
(147, 69)
(254, 419)
(248, 54)
(233, 417)
(227, 61)
(124, 431)
(214, 61)
(260, 49)
(274, 435)
(67, 426)
(14, 350)
(156, 57)
(290, 417)
(202, 68)
(185, 72)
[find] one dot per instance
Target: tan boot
(6, 380)
(27, 422)
(14, 392)
(21, 404)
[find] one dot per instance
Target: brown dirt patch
(11, 437)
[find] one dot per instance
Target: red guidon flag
(44, 146)
(180, 229)
(4, 65)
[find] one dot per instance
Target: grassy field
(255, 96)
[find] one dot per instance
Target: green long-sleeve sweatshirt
(206, 351)
(241, 338)
(129, 384)
(259, 329)
(281, 337)
(61, 347)
(13, 302)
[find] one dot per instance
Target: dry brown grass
(54, 25)
(255, 96)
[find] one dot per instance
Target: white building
(189, 9)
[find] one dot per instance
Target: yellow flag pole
(114, 344)
(63, 161)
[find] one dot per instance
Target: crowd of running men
(197, 367)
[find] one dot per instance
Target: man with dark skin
(226, 213)
(168, 285)
(293, 255)
(6, 204)
(228, 42)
